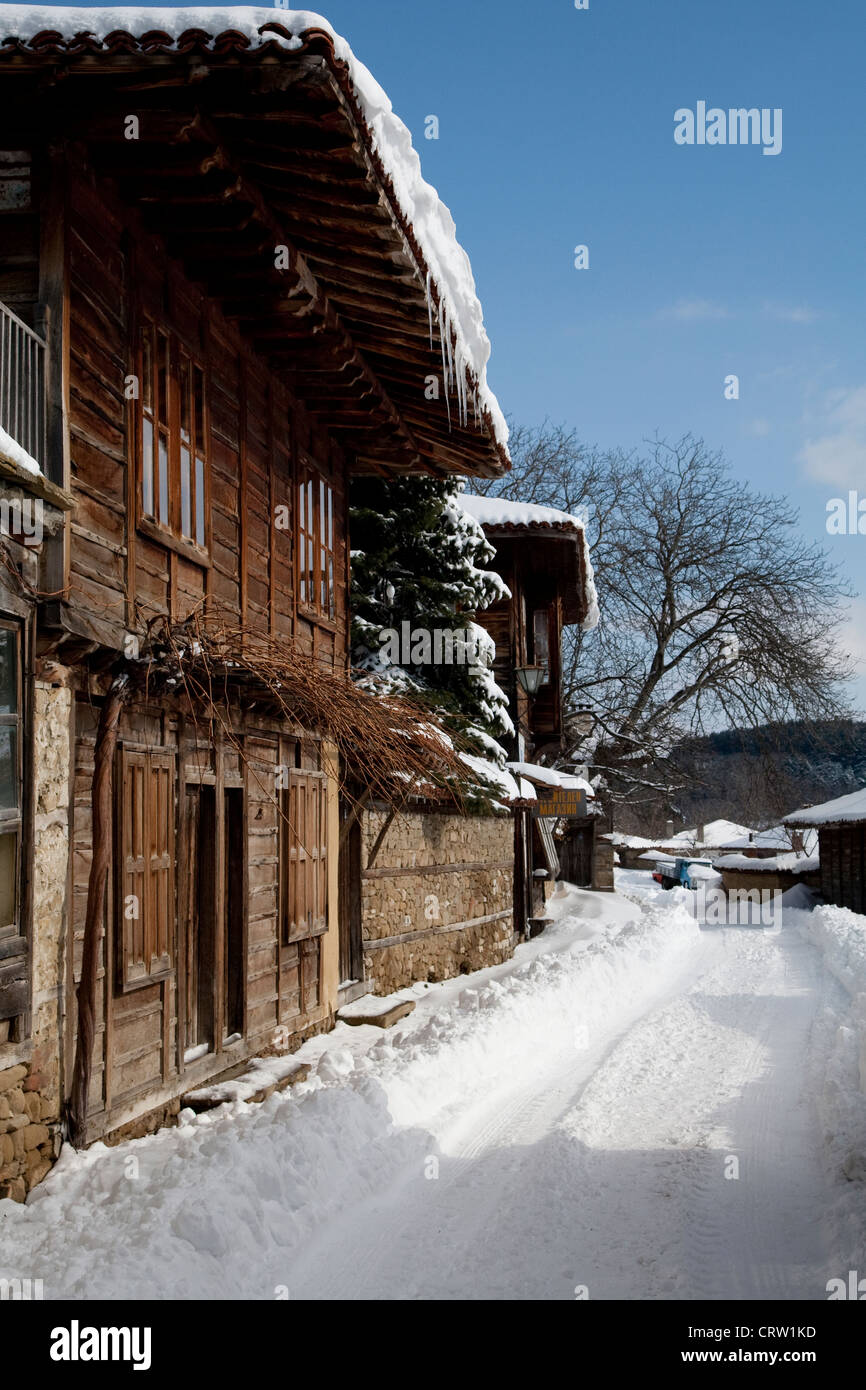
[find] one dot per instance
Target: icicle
(445, 377)
(429, 310)
(449, 350)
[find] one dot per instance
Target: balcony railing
(22, 384)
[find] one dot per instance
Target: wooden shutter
(306, 858)
(146, 907)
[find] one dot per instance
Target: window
(172, 434)
(316, 545)
(541, 640)
(146, 906)
(10, 779)
(305, 855)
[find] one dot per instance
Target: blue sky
(556, 128)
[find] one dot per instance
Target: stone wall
(438, 900)
(602, 865)
(30, 1066)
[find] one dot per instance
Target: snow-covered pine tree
(418, 560)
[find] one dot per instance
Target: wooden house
(233, 313)
(543, 556)
(841, 827)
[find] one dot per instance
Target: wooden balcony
(22, 388)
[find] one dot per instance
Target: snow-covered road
(608, 1167)
(633, 1108)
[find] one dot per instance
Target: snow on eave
(500, 511)
(843, 810)
(427, 222)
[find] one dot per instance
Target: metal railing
(22, 384)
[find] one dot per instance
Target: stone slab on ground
(380, 1012)
(262, 1078)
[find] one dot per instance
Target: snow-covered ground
(635, 1106)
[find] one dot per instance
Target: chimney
(669, 830)
(699, 835)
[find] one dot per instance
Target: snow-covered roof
(777, 837)
(630, 841)
(551, 777)
(758, 866)
(499, 777)
(49, 29)
(716, 834)
(843, 809)
(713, 836)
(498, 513)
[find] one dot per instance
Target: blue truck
(683, 872)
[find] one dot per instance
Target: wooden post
(101, 843)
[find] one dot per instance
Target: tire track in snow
(453, 1213)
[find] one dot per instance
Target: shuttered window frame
(304, 856)
(146, 792)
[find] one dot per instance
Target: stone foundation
(29, 1130)
(438, 900)
(30, 1134)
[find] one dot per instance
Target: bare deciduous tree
(716, 611)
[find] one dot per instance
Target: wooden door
(201, 919)
(233, 912)
(351, 940)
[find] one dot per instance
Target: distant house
(708, 841)
(768, 844)
(543, 556)
(841, 827)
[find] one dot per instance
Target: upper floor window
(316, 545)
(173, 439)
(541, 641)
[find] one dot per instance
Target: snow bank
(841, 937)
(228, 1204)
(430, 219)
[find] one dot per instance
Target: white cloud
(695, 310)
(758, 429)
(837, 455)
(791, 313)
